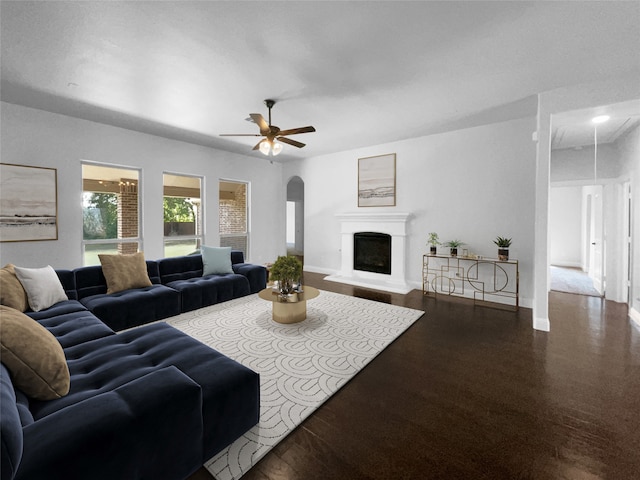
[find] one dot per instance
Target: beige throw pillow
(42, 285)
(33, 356)
(12, 294)
(123, 272)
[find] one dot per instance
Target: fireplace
(377, 274)
(372, 252)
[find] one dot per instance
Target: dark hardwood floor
(475, 393)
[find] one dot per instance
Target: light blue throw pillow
(216, 260)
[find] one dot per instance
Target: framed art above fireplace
(377, 181)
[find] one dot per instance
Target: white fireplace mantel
(393, 224)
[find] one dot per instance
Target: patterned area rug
(300, 365)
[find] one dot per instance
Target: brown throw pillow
(12, 294)
(123, 272)
(33, 356)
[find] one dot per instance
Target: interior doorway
(595, 238)
(295, 218)
(571, 231)
(589, 205)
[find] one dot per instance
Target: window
(234, 223)
(182, 204)
(110, 211)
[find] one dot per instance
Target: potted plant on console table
(286, 270)
(503, 244)
(433, 241)
(453, 245)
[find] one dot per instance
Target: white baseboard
(567, 264)
(634, 315)
(541, 324)
(325, 271)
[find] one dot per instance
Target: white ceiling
(362, 73)
(575, 129)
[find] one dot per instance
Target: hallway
(572, 280)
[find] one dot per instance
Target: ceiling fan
(271, 144)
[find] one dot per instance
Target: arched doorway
(295, 218)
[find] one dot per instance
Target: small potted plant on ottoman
(286, 270)
(503, 244)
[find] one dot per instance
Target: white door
(596, 253)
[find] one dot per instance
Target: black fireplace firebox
(372, 252)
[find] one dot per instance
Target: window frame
(247, 226)
(197, 238)
(138, 239)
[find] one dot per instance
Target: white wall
(472, 184)
(38, 138)
(565, 226)
(629, 150)
(571, 164)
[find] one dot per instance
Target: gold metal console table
(488, 281)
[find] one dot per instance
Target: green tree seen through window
(100, 216)
(178, 209)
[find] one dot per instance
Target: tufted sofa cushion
(200, 292)
(60, 308)
(255, 274)
(91, 281)
(127, 308)
(71, 327)
(130, 308)
(230, 391)
(184, 274)
(172, 269)
(147, 428)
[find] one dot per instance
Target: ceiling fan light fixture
(265, 147)
(600, 119)
(270, 147)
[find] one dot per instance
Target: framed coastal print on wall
(28, 203)
(377, 181)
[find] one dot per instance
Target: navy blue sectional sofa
(177, 286)
(146, 403)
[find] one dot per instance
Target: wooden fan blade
(294, 131)
(240, 135)
(257, 147)
(290, 142)
(260, 121)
